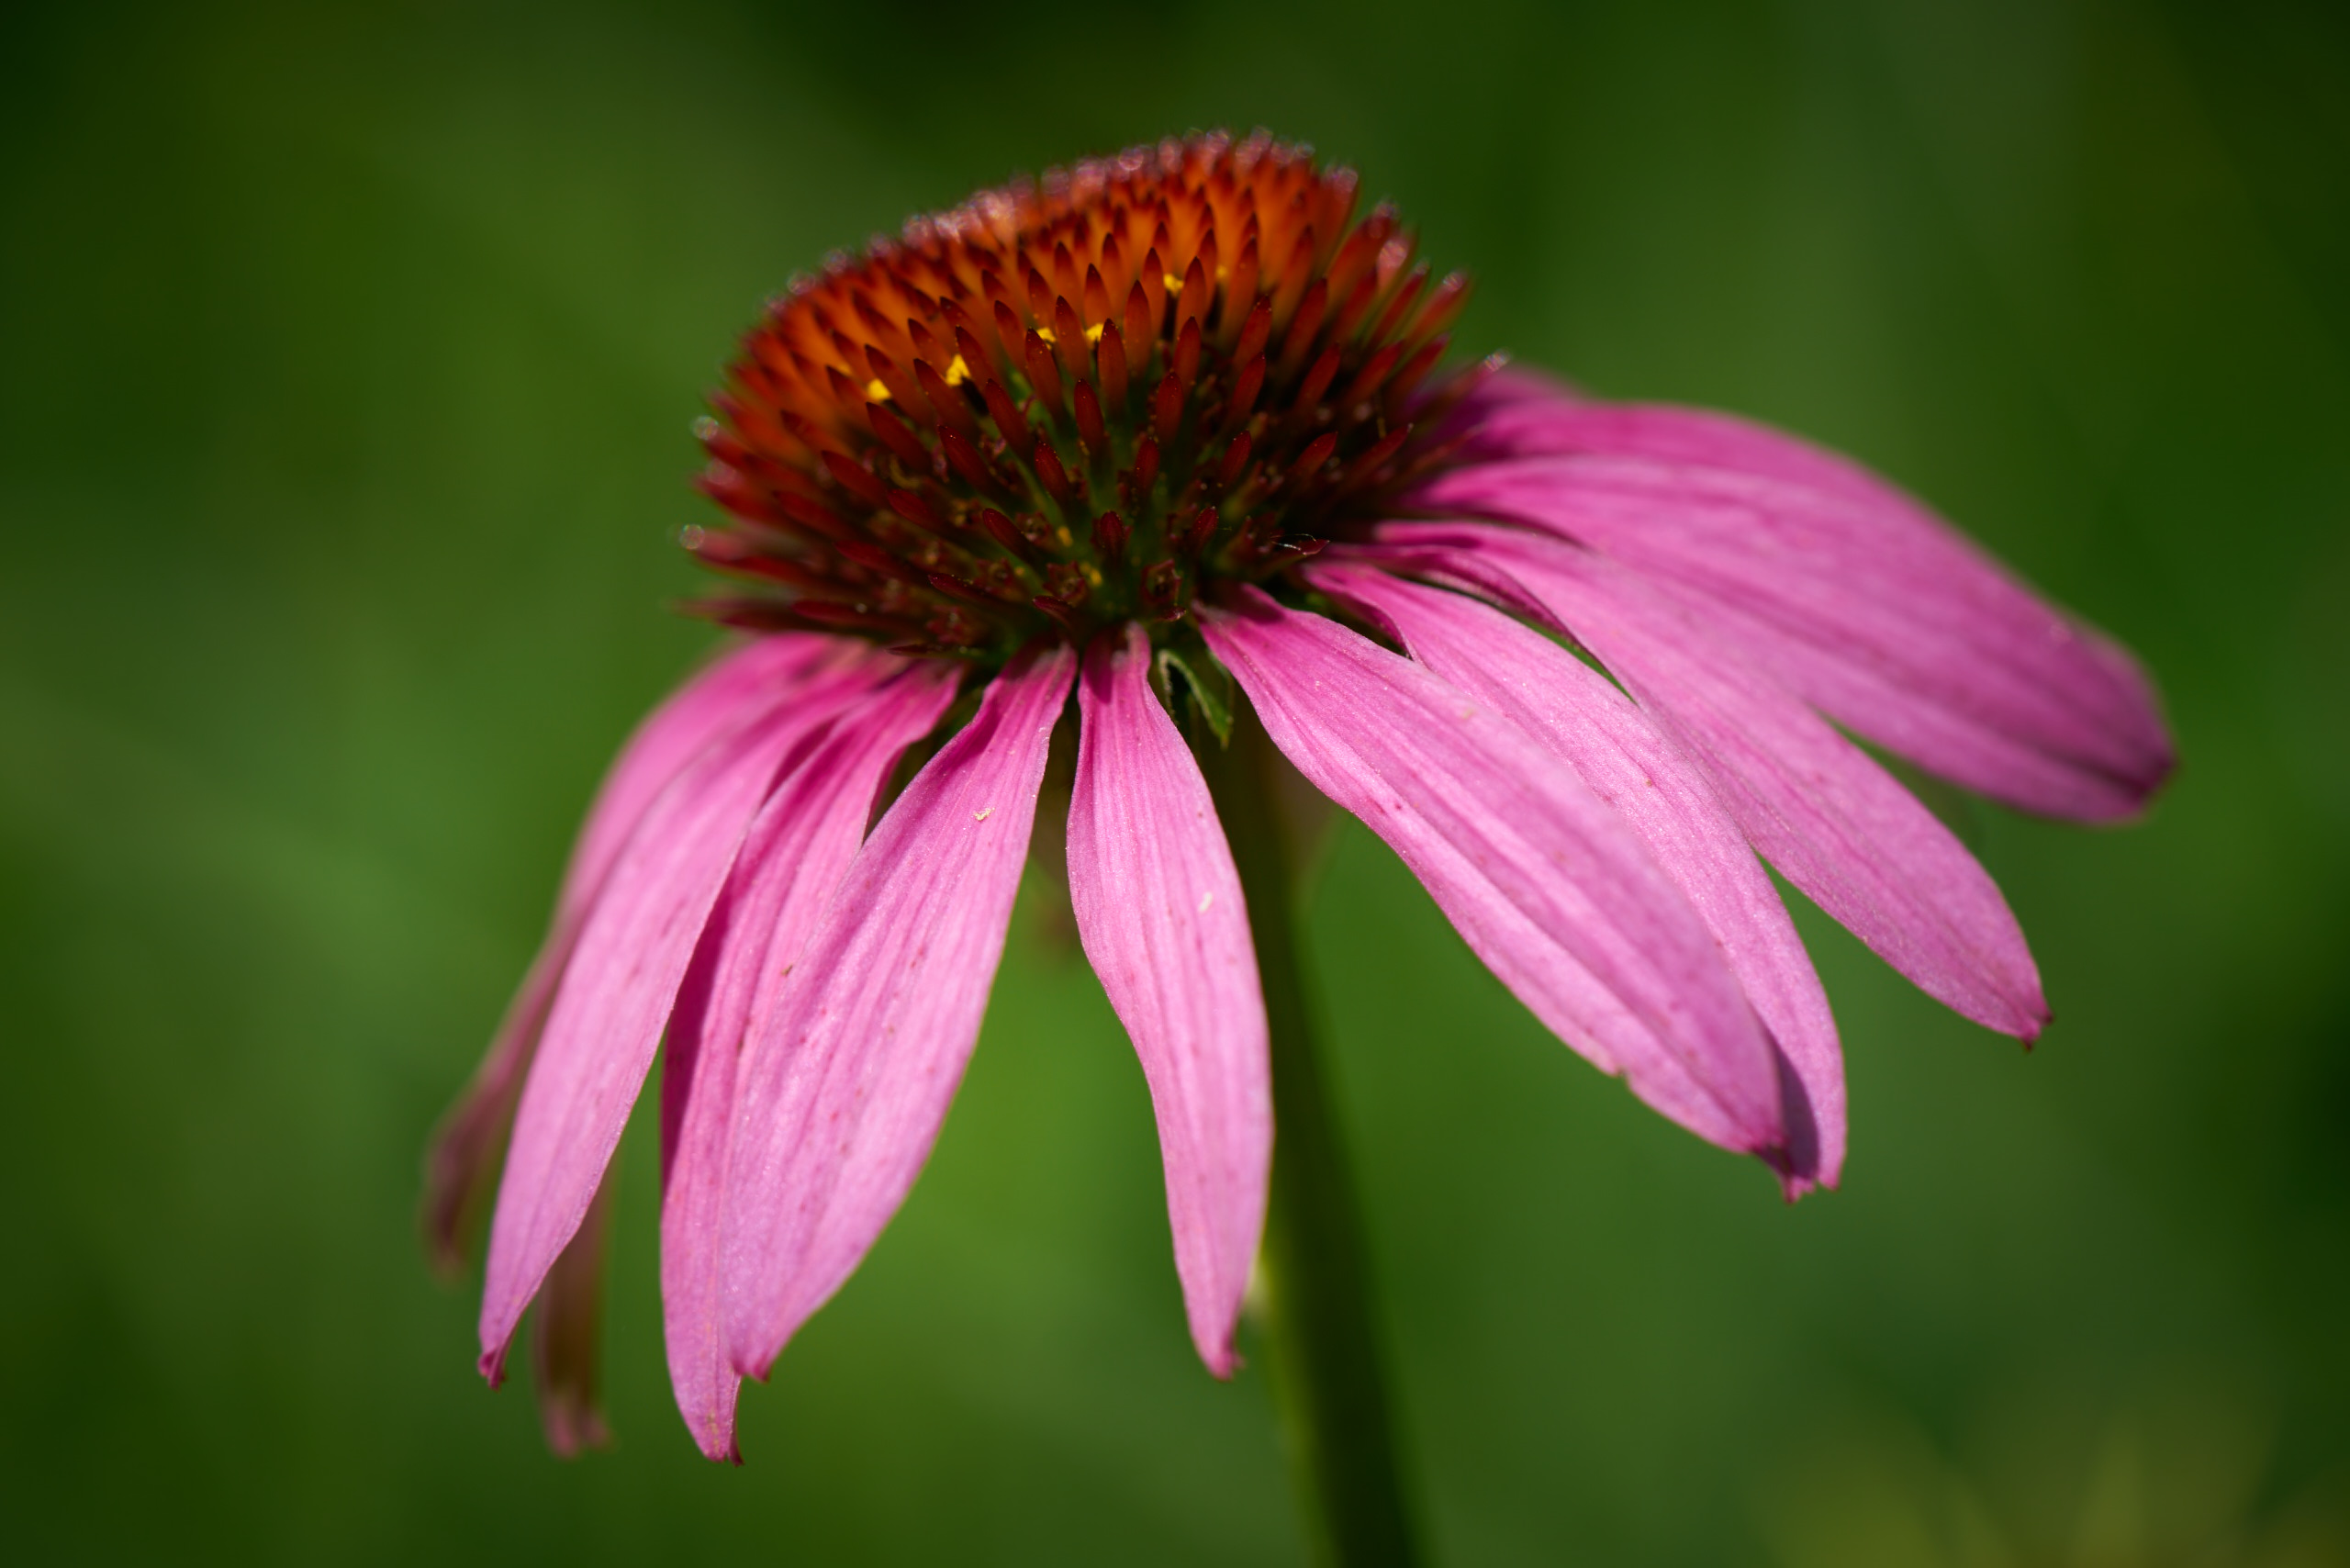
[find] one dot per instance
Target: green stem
(1314, 1275)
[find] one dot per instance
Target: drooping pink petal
(1813, 803)
(1573, 711)
(1160, 909)
(616, 991)
(1852, 594)
(567, 1337)
(463, 1156)
(841, 1091)
(791, 860)
(1543, 880)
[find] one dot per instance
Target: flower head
(1154, 423)
(1066, 407)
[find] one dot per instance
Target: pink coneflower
(1081, 453)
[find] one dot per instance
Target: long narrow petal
(1854, 595)
(1818, 808)
(1526, 414)
(1160, 909)
(616, 991)
(842, 1090)
(1544, 882)
(463, 1156)
(567, 1337)
(1573, 711)
(793, 858)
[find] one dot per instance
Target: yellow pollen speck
(1047, 333)
(1093, 333)
(981, 814)
(1174, 284)
(1093, 574)
(957, 372)
(875, 390)
(1206, 899)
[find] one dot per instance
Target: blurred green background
(346, 361)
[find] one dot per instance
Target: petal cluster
(1586, 668)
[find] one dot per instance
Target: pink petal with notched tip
(1833, 822)
(1855, 596)
(841, 1091)
(791, 860)
(464, 1152)
(1160, 909)
(1546, 883)
(1592, 727)
(624, 977)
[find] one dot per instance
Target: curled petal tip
(756, 1369)
(1795, 1188)
(718, 1444)
(2028, 1015)
(1809, 1157)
